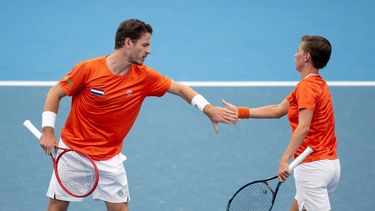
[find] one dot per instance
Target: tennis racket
(260, 195)
(76, 172)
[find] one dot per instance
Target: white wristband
(199, 101)
(48, 119)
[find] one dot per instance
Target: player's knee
(117, 206)
(57, 205)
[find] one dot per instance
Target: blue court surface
(176, 162)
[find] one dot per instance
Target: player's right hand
(48, 140)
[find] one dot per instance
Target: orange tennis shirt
(105, 106)
(313, 93)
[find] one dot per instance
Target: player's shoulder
(314, 81)
(90, 65)
(314, 85)
(93, 61)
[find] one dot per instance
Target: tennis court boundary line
(210, 83)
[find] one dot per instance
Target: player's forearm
(264, 112)
(53, 99)
(51, 107)
(183, 91)
(188, 93)
(270, 111)
(52, 103)
(192, 97)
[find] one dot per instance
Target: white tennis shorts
(315, 184)
(112, 186)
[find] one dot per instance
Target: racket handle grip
(32, 128)
(300, 158)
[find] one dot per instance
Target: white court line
(270, 83)
(27, 83)
(211, 83)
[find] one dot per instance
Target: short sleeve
(157, 84)
(289, 98)
(307, 95)
(74, 81)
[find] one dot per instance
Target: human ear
(307, 56)
(127, 42)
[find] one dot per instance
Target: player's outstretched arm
(215, 114)
(264, 112)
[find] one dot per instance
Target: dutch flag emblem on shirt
(97, 92)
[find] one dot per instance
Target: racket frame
(55, 162)
(274, 192)
(37, 134)
(292, 165)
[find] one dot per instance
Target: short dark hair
(133, 29)
(319, 48)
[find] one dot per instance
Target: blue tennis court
(184, 165)
(175, 160)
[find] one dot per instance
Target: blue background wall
(193, 40)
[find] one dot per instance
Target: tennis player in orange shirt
(107, 94)
(310, 113)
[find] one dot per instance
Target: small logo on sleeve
(68, 81)
(97, 92)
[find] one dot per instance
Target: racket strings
(76, 173)
(256, 196)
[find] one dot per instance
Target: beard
(138, 61)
